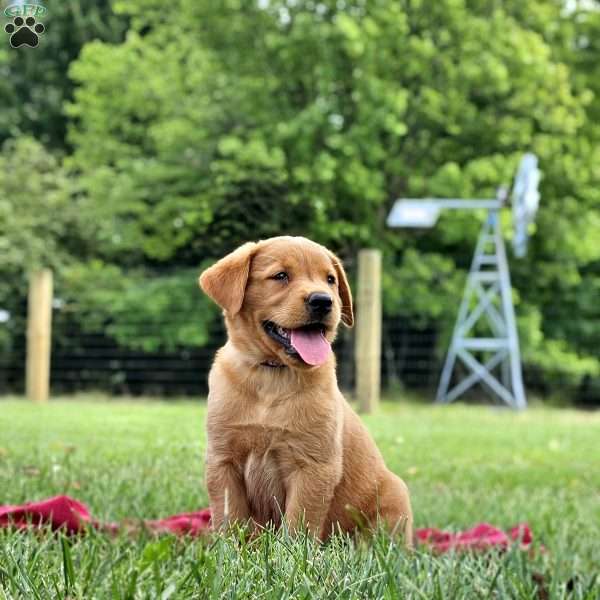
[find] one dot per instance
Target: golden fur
(282, 440)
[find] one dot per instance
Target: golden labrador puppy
(282, 440)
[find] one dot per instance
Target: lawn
(145, 459)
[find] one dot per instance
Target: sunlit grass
(145, 459)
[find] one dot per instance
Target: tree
(35, 216)
(314, 117)
(35, 85)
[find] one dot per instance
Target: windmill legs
(487, 295)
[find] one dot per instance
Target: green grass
(145, 459)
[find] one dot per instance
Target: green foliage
(137, 309)
(421, 286)
(35, 217)
(209, 124)
(34, 83)
(329, 113)
(34, 206)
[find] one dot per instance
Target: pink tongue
(312, 346)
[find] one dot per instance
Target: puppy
(283, 443)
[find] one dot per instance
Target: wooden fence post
(39, 336)
(367, 350)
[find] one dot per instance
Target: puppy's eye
(281, 276)
(330, 279)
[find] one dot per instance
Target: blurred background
(141, 140)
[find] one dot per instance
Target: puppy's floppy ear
(225, 282)
(344, 289)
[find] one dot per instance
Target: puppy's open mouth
(307, 342)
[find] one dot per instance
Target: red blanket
(63, 512)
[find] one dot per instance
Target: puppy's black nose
(319, 304)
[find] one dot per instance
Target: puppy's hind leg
(394, 509)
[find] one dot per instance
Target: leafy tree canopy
(213, 123)
(34, 83)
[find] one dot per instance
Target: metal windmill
(491, 358)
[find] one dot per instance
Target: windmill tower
(485, 341)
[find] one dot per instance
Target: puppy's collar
(272, 364)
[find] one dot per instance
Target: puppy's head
(283, 299)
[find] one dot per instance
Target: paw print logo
(24, 32)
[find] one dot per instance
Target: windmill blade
(525, 201)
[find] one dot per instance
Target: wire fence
(86, 356)
(411, 360)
